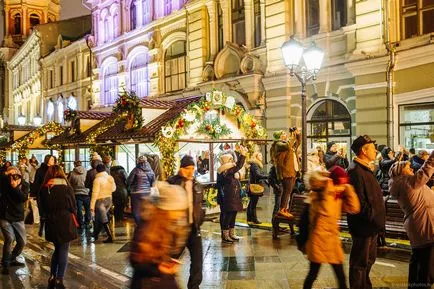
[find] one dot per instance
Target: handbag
(256, 189)
(74, 219)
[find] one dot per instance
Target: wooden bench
(296, 208)
(394, 220)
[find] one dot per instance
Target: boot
(96, 230)
(51, 282)
(255, 217)
(59, 284)
(232, 235)
(249, 215)
(109, 234)
(225, 237)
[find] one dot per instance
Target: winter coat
(154, 162)
(416, 163)
(32, 173)
(141, 179)
(416, 199)
(285, 157)
(103, 187)
(333, 159)
(372, 217)
(385, 165)
(256, 176)
(12, 200)
(58, 204)
(77, 180)
(39, 180)
(198, 201)
(273, 181)
(324, 244)
(120, 176)
(228, 196)
(90, 175)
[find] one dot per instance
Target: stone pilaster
(325, 13)
(249, 23)
(227, 27)
(213, 28)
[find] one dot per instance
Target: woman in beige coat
(328, 198)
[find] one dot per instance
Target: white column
(249, 23)
(139, 13)
(213, 28)
(262, 3)
(351, 17)
(300, 18)
(227, 27)
(324, 16)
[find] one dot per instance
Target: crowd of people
(168, 215)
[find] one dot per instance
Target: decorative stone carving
(208, 72)
(228, 60)
(251, 64)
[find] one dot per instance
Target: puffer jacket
(103, 187)
(324, 244)
(120, 176)
(416, 199)
(77, 180)
(141, 179)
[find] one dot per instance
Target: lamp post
(293, 51)
(37, 120)
(21, 119)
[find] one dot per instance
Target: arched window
(167, 7)
(17, 24)
(312, 17)
(139, 78)
(147, 11)
(328, 120)
(110, 84)
(34, 20)
(174, 64)
(133, 15)
(238, 22)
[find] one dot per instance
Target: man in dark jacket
(77, 180)
(365, 226)
(14, 193)
(333, 157)
(91, 173)
(196, 213)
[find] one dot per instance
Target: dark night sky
(72, 8)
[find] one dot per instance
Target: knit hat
(187, 161)
(100, 168)
(330, 144)
(225, 158)
(142, 158)
(396, 169)
(338, 175)
(171, 197)
(277, 134)
(96, 157)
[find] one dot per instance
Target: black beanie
(187, 161)
(330, 144)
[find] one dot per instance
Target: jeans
(120, 202)
(288, 185)
(227, 220)
(362, 257)
(83, 201)
(251, 208)
(102, 208)
(277, 190)
(194, 245)
(419, 266)
(313, 274)
(59, 260)
(136, 201)
(12, 231)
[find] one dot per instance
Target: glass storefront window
(84, 156)
(68, 159)
(416, 126)
(126, 156)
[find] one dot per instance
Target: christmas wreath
(128, 105)
(69, 114)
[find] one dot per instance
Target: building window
(17, 24)
(220, 26)
(34, 20)
(61, 75)
(329, 120)
(175, 72)
(417, 17)
(88, 67)
(72, 71)
(416, 126)
(339, 11)
(110, 84)
(133, 15)
(147, 11)
(68, 159)
(257, 12)
(51, 79)
(238, 22)
(312, 17)
(106, 29)
(139, 79)
(167, 7)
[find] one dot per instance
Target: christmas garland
(69, 114)
(128, 105)
(212, 128)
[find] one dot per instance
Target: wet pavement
(257, 261)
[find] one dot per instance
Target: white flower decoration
(260, 130)
(189, 115)
(218, 128)
(167, 131)
(208, 96)
(230, 102)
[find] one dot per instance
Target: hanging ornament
(167, 131)
(230, 102)
(217, 98)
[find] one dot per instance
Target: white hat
(171, 197)
(225, 158)
(96, 157)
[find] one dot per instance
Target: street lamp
(37, 120)
(293, 51)
(21, 119)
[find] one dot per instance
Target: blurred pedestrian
(328, 197)
(59, 206)
(365, 226)
(77, 180)
(159, 237)
(256, 177)
(313, 161)
(139, 183)
(13, 195)
(228, 196)
(416, 199)
(120, 195)
(101, 202)
(196, 213)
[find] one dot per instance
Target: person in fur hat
(256, 176)
(228, 196)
